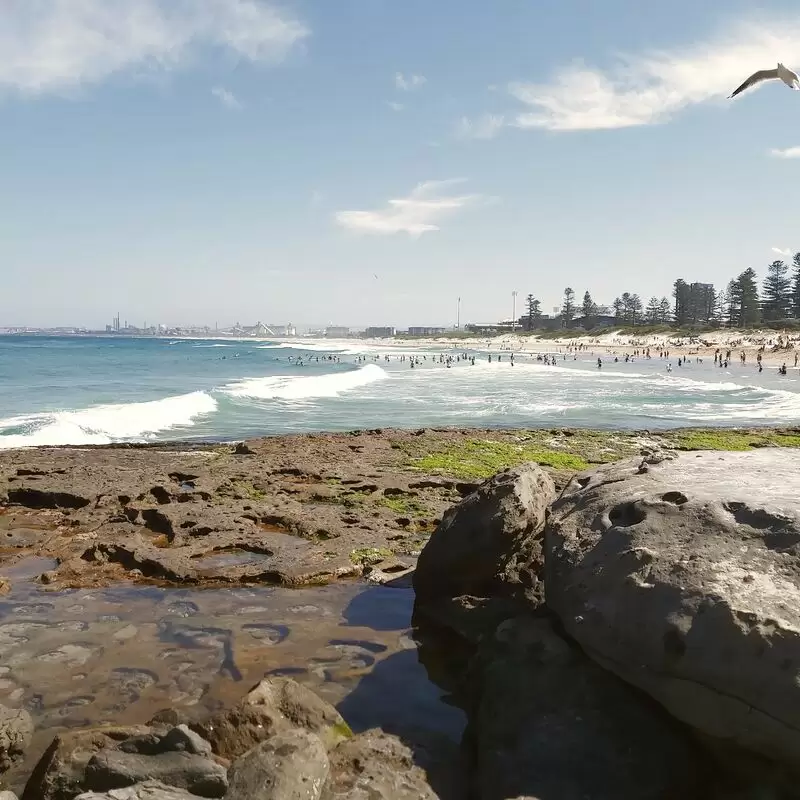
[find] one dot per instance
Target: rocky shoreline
(624, 630)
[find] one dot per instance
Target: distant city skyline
(366, 162)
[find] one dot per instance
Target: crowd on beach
(777, 351)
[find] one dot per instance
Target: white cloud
(785, 252)
(227, 98)
(416, 214)
(650, 87)
(395, 106)
(53, 45)
(485, 127)
(410, 82)
(788, 152)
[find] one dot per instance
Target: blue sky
(368, 161)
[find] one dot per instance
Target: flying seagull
(791, 79)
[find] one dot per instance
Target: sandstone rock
(115, 769)
(291, 765)
(376, 766)
(16, 729)
(548, 723)
(182, 738)
(683, 577)
(60, 772)
(490, 543)
(151, 790)
(273, 705)
(6, 795)
(5, 588)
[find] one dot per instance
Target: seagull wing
(756, 77)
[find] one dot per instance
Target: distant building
(595, 321)
(337, 332)
(380, 333)
(427, 331)
(282, 330)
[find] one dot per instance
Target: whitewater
(88, 391)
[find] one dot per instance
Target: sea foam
(106, 423)
(306, 387)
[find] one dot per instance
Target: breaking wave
(305, 388)
(106, 423)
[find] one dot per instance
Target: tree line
(739, 305)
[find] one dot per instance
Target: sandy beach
(776, 347)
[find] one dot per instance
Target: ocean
(98, 390)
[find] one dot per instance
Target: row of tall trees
(739, 305)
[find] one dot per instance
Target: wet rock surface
(82, 658)
(281, 511)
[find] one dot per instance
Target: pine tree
(733, 307)
(665, 314)
(777, 292)
(626, 307)
(589, 309)
(534, 312)
(619, 309)
(653, 310)
(745, 293)
(680, 291)
(636, 309)
(568, 308)
(720, 307)
(796, 286)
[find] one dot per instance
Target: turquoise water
(113, 389)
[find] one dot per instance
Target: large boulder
(548, 723)
(273, 705)
(16, 729)
(683, 578)
(490, 544)
(291, 765)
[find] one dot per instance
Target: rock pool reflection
(118, 655)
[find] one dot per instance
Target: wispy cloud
(485, 127)
(316, 198)
(785, 252)
(428, 204)
(649, 87)
(409, 82)
(53, 45)
(227, 98)
(395, 106)
(788, 152)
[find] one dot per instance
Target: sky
(367, 162)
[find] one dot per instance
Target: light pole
(514, 311)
